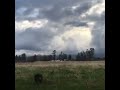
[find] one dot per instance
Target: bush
(38, 78)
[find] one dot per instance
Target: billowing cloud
(40, 40)
(65, 25)
(23, 25)
(72, 41)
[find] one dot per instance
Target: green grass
(61, 78)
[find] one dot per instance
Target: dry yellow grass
(59, 63)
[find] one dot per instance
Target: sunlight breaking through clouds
(64, 25)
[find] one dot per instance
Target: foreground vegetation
(60, 76)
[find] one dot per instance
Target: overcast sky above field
(65, 25)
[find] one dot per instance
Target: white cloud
(30, 52)
(75, 39)
(91, 24)
(75, 7)
(81, 37)
(96, 9)
(23, 25)
(57, 43)
(60, 32)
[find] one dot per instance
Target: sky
(71, 26)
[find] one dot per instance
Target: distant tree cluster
(86, 55)
(19, 58)
(81, 56)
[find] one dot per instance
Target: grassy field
(67, 75)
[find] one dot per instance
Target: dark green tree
(92, 52)
(19, 58)
(54, 54)
(23, 57)
(78, 57)
(69, 57)
(35, 57)
(16, 58)
(50, 57)
(83, 55)
(61, 56)
(87, 54)
(64, 56)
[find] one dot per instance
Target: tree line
(81, 56)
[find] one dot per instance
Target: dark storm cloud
(76, 23)
(98, 31)
(98, 34)
(83, 7)
(53, 10)
(99, 38)
(53, 14)
(59, 13)
(44, 3)
(36, 40)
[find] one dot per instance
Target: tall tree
(78, 57)
(54, 54)
(16, 58)
(23, 57)
(92, 52)
(81, 56)
(84, 55)
(69, 57)
(50, 57)
(61, 56)
(87, 54)
(65, 56)
(35, 57)
(19, 58)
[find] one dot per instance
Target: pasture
(66, 75)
